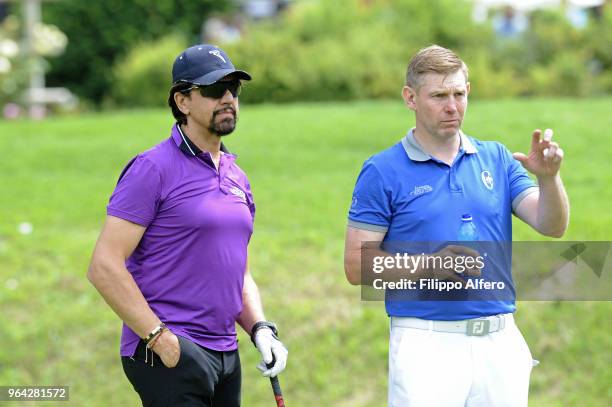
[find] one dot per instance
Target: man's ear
(181, 102)
(468, 87)
(409, 96)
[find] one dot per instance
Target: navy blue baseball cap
(204, 64)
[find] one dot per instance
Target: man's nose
(227, 97)
(451, 105)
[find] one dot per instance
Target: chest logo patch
(487, 179)
(238, 192)
(420, 190)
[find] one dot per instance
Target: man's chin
(449, 130)
(225, 127)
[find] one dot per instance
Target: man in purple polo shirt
(171, 259)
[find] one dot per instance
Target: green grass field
(302, 161)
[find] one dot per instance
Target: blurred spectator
(577, 16)
(261, 9)
(281, 5)
(224, 29)
(579, 12)
(219, 29)
(509, 23)
(4, 11)
(597, 11)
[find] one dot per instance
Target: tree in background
(325, 49)
(348, 49)
(99, 32)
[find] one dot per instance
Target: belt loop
(500, 322)
(430, 325)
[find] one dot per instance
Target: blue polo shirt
(413, 197)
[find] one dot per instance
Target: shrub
(13, 67)
(100, 32)
(16, 64)
(143, 77)
(340, 50)
(567, 74)
(489, 81)
(599, 39)
(347, 49)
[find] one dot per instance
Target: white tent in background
(482, 7)
(528, 5)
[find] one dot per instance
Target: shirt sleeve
(137, 194)
(370, 206)
(521, 184)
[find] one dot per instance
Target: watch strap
(263, 324)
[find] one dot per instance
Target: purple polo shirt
(191, 260)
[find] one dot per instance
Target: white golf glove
(268, 345)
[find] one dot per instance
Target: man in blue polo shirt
(171, 259)
(452, 353)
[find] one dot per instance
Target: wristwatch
(263, 324)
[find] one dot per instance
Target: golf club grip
(278, 394)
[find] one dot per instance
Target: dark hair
(176, 112)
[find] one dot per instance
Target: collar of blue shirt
(415, 151)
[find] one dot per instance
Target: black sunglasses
(217, 90)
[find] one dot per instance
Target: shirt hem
(522, 195)
(367, 226)
(128, 216)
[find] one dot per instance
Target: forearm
(553, 207)
(116, 285)
(252, 309)
(364, 266)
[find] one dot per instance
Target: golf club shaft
(278, 394)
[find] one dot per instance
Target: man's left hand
(544, 159)
(268, 345)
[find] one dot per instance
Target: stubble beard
(225, 126)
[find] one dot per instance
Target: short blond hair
(433, 59)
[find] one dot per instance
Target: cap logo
(217, 53)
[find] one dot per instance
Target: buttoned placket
(224, 164)
(454, 184)
(206, 158)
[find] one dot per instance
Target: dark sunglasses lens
(218, 89)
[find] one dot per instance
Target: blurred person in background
(509, 23)
(452, 353)
(171, 259)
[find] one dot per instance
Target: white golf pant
(440, 369)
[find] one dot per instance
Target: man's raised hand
(544, 158)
